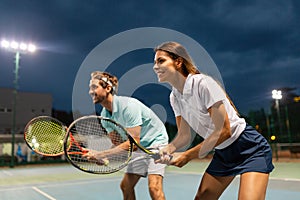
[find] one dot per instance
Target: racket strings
(45, 136)
(99, 136)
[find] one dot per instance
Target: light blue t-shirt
(130, 112)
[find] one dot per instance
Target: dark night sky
(254, 44)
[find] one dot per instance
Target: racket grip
(157, 156)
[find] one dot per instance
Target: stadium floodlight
(277, 95)
(4, 44)
(18, 48)
(31, 48)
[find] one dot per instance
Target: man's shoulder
(124, 99)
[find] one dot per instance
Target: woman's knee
(206, 193)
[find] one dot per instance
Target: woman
(200, 103)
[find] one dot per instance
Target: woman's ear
(179, 62)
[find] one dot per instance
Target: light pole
(287, 122)
(17, 48)
(277, 95)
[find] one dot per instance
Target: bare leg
(211, 187)
(127, 186)
(155, 184)
(253, 185)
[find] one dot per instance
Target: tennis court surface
(64, 182)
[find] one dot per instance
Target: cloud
(255, 44)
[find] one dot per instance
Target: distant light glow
(273, 137)
(31, 48)
(23, 46)
(276, 94)
(36, 145)
(16, 46)
(4, 44)
(33, 141)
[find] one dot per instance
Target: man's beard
(100, 99)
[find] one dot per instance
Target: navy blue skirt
(249, 153)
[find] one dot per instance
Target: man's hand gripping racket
(108, 145)
(86, 143)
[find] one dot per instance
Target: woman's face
(164, 66)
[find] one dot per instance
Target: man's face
(97, 92)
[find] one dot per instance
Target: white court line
(82, 182)
(285, 179)
(48, 185)
(43, 193)
(7, 173)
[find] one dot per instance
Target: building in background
(29, 105)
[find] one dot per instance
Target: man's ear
(108, 88)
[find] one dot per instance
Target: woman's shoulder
(204, 79)
(199, 76)
(200, 79)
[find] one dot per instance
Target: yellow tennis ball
(106, 162)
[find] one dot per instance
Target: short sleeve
(210, 92)
(133, 115)
(175, 105)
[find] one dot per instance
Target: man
(142, 124)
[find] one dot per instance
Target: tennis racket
(102, 137)
(45, 136)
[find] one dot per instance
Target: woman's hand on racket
(168, 157)
(165, 155)
(179, 159)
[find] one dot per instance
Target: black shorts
(249, 153)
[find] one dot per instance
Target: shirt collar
(187, 88)
(114, 106)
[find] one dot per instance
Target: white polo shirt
(200, 92)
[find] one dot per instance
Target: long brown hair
(176, 50)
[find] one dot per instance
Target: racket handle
(103, 161)
(157, 156)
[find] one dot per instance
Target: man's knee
(156, 190)
(156, 193)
